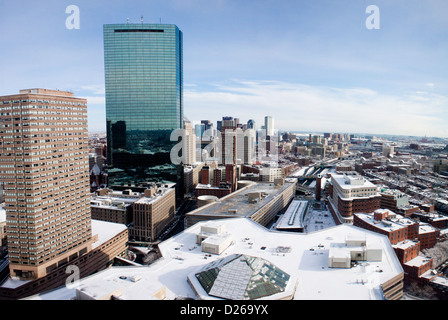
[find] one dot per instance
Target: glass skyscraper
(144, 101)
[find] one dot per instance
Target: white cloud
(95, 100)
(94, 89)
(303, 107)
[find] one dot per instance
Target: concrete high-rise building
(144, 101)
(349, 194)
(189, 144)
(317, 139)
(228, 140)
(251, 124)
(246, 144)
(199, 130)
(269, 125)
(44, 167)
(208, 127)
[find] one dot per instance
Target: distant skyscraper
(228, 140)
(207, 124)
(251, 124)
(269, 125)
(199, 130)
(144, 101)
(208, 128)
(189, 144)
(246, 146)
(44, 166)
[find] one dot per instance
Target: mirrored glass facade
(144, 100)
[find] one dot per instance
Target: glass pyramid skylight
(242, 277)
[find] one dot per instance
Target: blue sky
(312, 65)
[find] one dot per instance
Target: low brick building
(397, 227)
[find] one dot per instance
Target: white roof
(387, 225)
(354, 181)
(306, 259)
(418, 261)
(159, 194)
(105, 231)
(405, 244)
(442, 281)
(294, 215)
(425, 228)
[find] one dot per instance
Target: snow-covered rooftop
(352, 181)
(303, 256)
(105, 231)
(294, 216)
(102, 229)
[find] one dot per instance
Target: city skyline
(326, 176)
(311, 66)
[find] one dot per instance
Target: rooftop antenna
(127, 20)
(141, 19)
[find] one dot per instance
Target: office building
(251, 124)
(269, 125)
(396, 200)
(228, 143)
(188, 144)
(45, 171)
(270, 174)
(246, 146)
(113, 206)
(192, 176)
(144, 101)
(147, 212)
(208, 129)
(199, 130)
(153, 213)
(349, 194)
(109, 241)
(221, 190)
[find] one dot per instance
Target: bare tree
(439, 253)
(425, 292)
